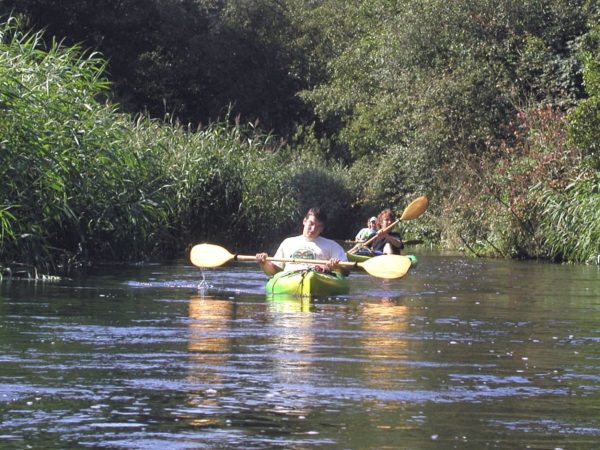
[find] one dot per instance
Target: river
(460, 353)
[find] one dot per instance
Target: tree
(196, 60)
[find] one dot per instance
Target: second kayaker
(388, 242)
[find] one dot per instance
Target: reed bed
(570, 223)
(84, 183)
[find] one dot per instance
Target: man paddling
(309, 245)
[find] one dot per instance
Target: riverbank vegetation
(223, 121)
(83, 182)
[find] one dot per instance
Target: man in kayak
(365, 233)
(388, 242)
(309, 245)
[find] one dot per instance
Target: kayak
(307, 282)
(358, 257)
(362, 256)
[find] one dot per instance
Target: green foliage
(72, 186)
(85, 183)
(386, 179)
(314, 182)
(443, 78)
(381, 100)
(226, 184)
(498, 208)
(190, 58)
(570, 217)
(427, 97)
(570, 223)
(584, 126)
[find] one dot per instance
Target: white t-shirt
(300, 247)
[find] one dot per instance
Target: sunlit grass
(570, 221)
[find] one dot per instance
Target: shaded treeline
(186, 57)
(488, 107)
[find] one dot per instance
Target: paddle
(384, 266)
(407, 242)
(412, 211)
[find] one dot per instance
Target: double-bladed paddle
(384, 266)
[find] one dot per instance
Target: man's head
(314, 223)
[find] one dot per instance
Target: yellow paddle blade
(209, 255)
(415, 208)
(387, 266)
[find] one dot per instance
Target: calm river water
(461, 353)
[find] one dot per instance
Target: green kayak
(308, 283)
(361, 257)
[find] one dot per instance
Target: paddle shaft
(408, 242)
(382, 266)
(295, 260)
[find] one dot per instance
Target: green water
(461, 353)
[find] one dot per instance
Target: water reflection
(209, 346)
(292, 336)
(288, 303)
(244, 359)
(384, 329)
